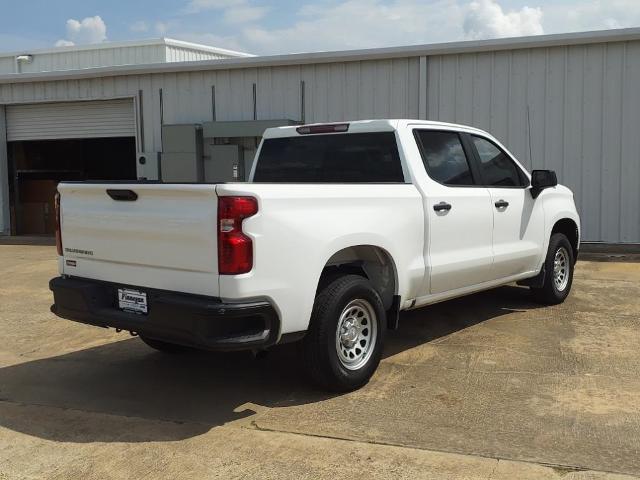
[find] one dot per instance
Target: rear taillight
(56, 203)
(235, 249)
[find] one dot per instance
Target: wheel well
(369, 261)
(569, 228)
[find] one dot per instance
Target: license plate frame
(133, 301)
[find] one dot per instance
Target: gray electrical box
(232, 147)
(147, 165)
(224, 164)
(182, 153)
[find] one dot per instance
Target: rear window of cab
(370, 157)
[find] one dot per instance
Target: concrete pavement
(489, 386)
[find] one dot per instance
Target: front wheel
(344, 343)
(558, 275)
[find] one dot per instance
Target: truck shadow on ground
(187, 395)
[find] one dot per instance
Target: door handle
(442, 206)
(501, 204)
(122, 195)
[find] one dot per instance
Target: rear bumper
(192, 320)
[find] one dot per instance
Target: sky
(285, 26)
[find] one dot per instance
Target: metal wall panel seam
(423, 86)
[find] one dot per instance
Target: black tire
(320, 347)
(549, 293)
(164, 347)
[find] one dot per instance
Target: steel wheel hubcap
(561, 269)
(356, 334)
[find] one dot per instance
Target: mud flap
(393, 314)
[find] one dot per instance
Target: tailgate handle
(122, 195)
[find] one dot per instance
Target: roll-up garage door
(89, 119)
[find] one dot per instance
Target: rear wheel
(344, 343)
(558, 272)
(164, 346)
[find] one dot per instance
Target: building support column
(5, 226)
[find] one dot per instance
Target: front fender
(558, 204)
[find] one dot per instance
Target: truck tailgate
(164, 239)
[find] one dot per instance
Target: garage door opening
(36, 167)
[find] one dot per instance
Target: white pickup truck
(340, 228)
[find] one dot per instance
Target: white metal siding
(181, 54)
(107, 118)
(333, 91)
(7, 65)
(107, 56)
(86, 58)
(581, 104)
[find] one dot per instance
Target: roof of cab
(373, 125)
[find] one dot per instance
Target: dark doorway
(36, 167)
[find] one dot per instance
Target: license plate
(132, 300)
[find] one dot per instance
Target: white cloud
(360, 24)
(578, 15)
(487, 19)
(346, 24)
(87, 30)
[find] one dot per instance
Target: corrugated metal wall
(582, 107)
(87, 58)
(7, 65)
(103, 57)
(182, 54)
(367, 89)
(582, 103)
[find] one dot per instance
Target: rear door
(459, 216)
(518, 219)
(150, 235)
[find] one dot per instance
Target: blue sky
(270, 27)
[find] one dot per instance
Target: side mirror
(541, 179)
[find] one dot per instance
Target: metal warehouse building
(180, 112)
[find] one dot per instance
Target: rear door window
(331, 158)
(444, 157)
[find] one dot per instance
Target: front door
(518, 218)
(459, 215)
